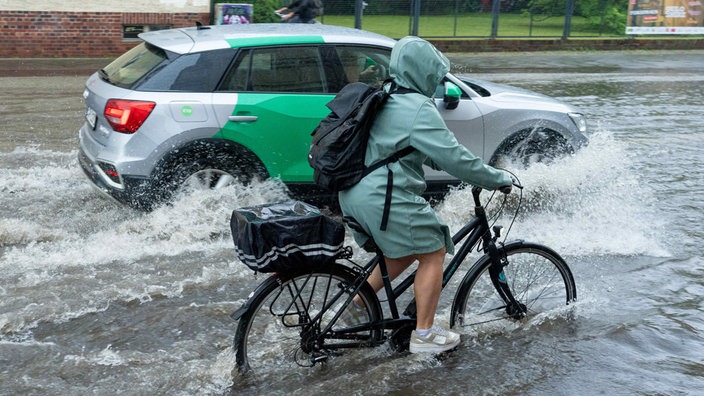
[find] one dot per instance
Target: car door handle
(242, 118)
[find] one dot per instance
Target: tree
(605, 16)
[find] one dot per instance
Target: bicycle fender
(274, 278)
(245, 307)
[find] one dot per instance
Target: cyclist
(414, 232)
(301, 11)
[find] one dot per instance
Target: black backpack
(340, 140)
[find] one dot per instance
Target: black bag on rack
(285, 237)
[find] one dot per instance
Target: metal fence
(480, 18)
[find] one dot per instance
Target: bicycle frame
(477, 229)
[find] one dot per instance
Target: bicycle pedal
(319, 357)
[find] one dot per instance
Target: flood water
(97, 298)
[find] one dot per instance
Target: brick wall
(37, 34)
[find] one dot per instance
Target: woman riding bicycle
(413, 231)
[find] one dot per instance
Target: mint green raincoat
(411, 119)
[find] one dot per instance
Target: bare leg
(394, 266)
(427, 286)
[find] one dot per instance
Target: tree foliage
(608, 16)
(605, 16)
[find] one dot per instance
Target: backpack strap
(394, 88)
(389, 180)
(392, 158)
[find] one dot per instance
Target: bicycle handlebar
(477, 190)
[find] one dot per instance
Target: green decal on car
(186, 111)
(273, 40)
(278, 128)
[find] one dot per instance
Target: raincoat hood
(418, 65)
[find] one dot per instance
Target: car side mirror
(452, 95)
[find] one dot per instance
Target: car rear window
(196, 72)
(134, 64)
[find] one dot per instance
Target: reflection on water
(97, 297)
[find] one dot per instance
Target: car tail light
(127, 116)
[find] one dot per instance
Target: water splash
(57, 234)
(591, 203)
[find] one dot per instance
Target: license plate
(91, 117)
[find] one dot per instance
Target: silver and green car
(206, 106)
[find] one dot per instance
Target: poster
(233, 14)
(665, 17)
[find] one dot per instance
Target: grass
(470, 25)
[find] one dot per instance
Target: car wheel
(527, 148)
(206, 179)
(206, 166)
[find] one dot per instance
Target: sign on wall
(665, 17)
(233, 14)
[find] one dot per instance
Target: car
(206, 106)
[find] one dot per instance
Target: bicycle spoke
(536, 279)
(287, 324)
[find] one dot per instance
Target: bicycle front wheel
(537, 277)
(281, 328)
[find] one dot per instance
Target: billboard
(665, 17)
(233, 14)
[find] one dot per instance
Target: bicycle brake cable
(494, 217)
(517, 183)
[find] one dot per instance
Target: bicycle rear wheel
(279, 329)
(537, 276)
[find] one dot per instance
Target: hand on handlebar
(507, 189)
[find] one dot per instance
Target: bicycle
(297, 318)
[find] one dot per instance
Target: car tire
(206, 164)
(529, 147)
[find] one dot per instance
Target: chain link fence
(481, 18)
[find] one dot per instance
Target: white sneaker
(439, 340)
